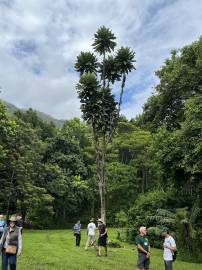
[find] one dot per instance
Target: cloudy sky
(40, 39)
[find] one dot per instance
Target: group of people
(10, 241)
(144, 249)
(91, 233)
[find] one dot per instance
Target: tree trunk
(102, 188)
(119, 108)
(121, 94)
(103, 71)
(100, 167)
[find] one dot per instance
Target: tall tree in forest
(98, 104)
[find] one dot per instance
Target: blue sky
(40, 40)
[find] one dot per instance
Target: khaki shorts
(143, 262)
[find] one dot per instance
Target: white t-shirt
(91, 229)
(168, 254)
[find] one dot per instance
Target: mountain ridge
(11, 109)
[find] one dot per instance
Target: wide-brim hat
(13, 219)
(100, 220)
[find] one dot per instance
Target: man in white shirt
(169, 246)
(91, 229)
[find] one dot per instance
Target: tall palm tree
(104, 42)
(125, 61)
(86, 62)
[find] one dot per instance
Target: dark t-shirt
(142, 241)
(102, 229)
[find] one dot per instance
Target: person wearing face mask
(11, 245)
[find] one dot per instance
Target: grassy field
(48, 250)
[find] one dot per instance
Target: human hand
(148, 254)
(19, 253)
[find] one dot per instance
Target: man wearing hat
(2, 225)
(91, 229)
(102, 240)
(169, 246)
(11, 245)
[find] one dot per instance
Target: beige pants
(91, 241)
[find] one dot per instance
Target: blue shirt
(2, 225)
(77, 228)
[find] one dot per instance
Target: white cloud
(60, 29)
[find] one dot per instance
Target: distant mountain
(43, 116)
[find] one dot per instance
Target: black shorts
(102, 241)
(143, 262)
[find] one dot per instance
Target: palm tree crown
(112, 73)
(86, 62)
(125, 59)
(104, 41)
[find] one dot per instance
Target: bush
(155, 237)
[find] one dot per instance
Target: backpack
(174, 255)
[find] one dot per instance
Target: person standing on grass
(143, 248)
(2, 225)
(91, 229)
(102, 240)
(20, 222)
(11, 245)
(77, 232)
(169, 246)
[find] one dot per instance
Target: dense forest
(153, 168)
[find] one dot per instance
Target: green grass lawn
(47, 250)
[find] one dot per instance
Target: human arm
(171, 246)
(105, 232)
(1, 241)
(19, 243)
(140, 248)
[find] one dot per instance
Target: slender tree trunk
(100, 158)
(103, 71)
(118, 110)
(100, 167)
(103, 190)
(121, 94)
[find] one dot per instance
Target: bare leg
(100, 251)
